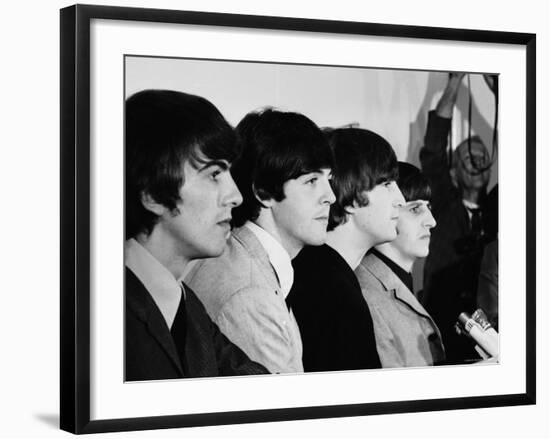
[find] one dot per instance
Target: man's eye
(312, 180)
(214, 175)
(415, 209)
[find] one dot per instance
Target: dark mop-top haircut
(414, 185)
(276, 147)
(164, 129)
(362, 160)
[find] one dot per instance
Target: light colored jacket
(405, 333)
(241, 294)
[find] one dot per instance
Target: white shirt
(165, 290)
(278, 256)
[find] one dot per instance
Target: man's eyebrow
(223, 164)
(321, 171)
(415, 203)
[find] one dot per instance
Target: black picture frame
(75, 217)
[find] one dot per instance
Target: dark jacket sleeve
(354, 343)
(335, 324)
(487, 293)
(433, 159)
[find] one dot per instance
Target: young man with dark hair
(179, 196)
(283, 174)
(459, 204)
(334, 318)
(405, 333)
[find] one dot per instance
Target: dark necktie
(179, 329)
(476, 223)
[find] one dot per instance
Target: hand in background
(446, 104)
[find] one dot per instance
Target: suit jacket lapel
(142, 304)
(393, 284)
(259, 254)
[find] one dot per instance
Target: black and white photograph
(298, 218)
(269, 218)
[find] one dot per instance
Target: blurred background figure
(460, 205)
(487, 288)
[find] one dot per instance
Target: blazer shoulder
(216, 280)
(373, 280)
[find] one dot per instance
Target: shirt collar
(470, 207)
(159, 282)
(470, 204)
(278, 256)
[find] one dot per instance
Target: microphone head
(463, 318)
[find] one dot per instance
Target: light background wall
(393, 103)
(29, 222)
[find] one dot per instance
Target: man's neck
(165, 251)
(349, 243)
(266, 222)
(471, 195)
(387, 249)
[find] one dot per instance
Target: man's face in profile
(471, 166)
(414, 229)
(378, 219)
(200, 225)
(301, 217)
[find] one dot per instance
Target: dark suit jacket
(487, 293)
(452, 268)
(150, 350)
(333, 317)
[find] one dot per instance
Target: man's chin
(214, 252)
(317, 240)
(422, 254)
(387, 239)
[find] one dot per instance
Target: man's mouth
(322, 217)
(225, 222)
(322, 221)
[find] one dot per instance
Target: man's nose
(481, 161)
(430, 221)
(398, 198)
(328, 194)
(233, 197)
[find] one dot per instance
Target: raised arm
(447, 101)
(433, 155)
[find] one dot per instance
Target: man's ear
(263, 197)
(151, 205)
(351, 210)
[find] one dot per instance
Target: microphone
(480, 330)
